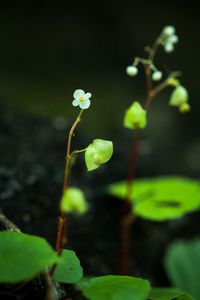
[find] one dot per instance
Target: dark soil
(32, 157)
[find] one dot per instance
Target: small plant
(25, 258)
(17, 248)
(161, 198)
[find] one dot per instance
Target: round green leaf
(182, 263)
(74, 201)
(23, 256)
(162, 198)
(168, 294)
(135, 116)
(68, 270)
(115, 288)
(97, 153)
(179, 96)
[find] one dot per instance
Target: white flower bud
(169, 48)
(173, 39)
(156, 76)
(169, 30)
(131, 71)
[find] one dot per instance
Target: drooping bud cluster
(169, 38)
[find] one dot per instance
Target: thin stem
(78, 151)
(63, 217)
(154, 49)
(128, 218)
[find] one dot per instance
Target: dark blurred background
(47, 50)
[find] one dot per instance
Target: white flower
(81, 99)
(131, 70)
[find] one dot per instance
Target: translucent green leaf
(23, 256)
(74, 201)
(182, 263)
(69, 269)
(168, 294)
(179, 96)
(135, 116)
(115, 288)
(161, 198)
(97, 153)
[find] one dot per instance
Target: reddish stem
(62, 234)
(128, 217)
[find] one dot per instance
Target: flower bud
(184, 107)
(131, 70)
(173, 39)
(169, 47)
(157, 75)
(168, 30)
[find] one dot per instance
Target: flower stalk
(61, 238)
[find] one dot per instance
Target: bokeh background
(47, 50)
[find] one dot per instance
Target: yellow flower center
(81, 99)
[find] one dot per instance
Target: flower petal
(88, 95)
(85, 104)
(75, 102)
(78, 93)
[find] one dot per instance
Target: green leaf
(161, 198)
(97, 153)
(182, 263)
(74, 201)
(69, 269)
(115, 288)
(179, 96)
(23, 256)
(168, 294)
(135, 116)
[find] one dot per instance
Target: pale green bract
(135, 116)
(74, 201)
(98, 153)
(113, 287)
(161, 198)
(179, 96)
